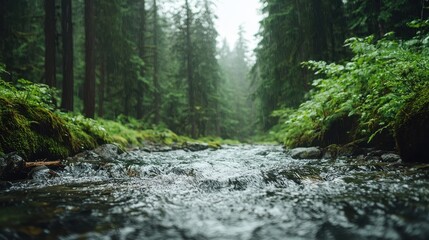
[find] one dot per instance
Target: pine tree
(50, 46)
(89, 87)
(292, 32)
(67, 37)
(155, 77)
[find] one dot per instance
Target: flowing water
(238, 192)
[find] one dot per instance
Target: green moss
(38, 133)
(216, 142)
(15, 131)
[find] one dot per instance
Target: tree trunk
(191, 87)
(102, 87)
(2, 28)
(89, 86)
(318, 23)
(380, 24)
(142, 49)
(127, 85)
(50, 34)
(157, 94)
(67, 36)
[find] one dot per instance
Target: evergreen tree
(67, 37)
(155, 77)
(292, 32)
(379, 17)
(236, 68)
(89, 87)
(50, 46)
(22, 39)
(142, 48)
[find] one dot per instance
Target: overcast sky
(233, 13)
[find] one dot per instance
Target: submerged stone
(42, 173)
(306, 153)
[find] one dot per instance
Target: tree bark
(89, 86)
(317, 14)
(50, 34)
(157, 94)
(102, 87)
(2, 30)
(67, 37)
(380, 23)
(190, 79)
(142, 51)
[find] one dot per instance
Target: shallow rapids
(241, 192)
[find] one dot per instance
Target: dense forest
(160, 64)
(129, 58)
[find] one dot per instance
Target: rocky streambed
(237, 192)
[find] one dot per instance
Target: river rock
(390, 157)
(103, 153)
(196, 146)
(12, 167)
(42, 173)
(156, 148)
(306, 153)
(108, 152)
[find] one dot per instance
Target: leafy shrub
(374, 85)
(24, 91)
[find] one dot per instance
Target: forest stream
(237, 192)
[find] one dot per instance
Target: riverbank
(32, 130)
(377, 99)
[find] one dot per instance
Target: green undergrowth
(38, 133)
(133, 135)
(30, 126)
(216, 142)
(361, 97)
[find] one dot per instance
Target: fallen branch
(46, 164)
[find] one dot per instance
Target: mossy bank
(35, 132)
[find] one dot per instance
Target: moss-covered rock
(32, 131)
(412, 129)
(38, 133)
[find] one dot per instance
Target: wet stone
(42, 173)
(194, 147)
(306, 153)
(156, 148)
(108, 151)
(390, 157)
(12, 167)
